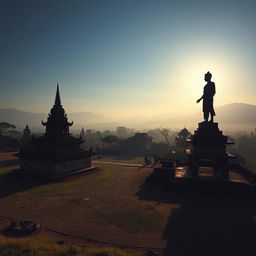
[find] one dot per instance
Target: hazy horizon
(242, 120)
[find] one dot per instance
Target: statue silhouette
(209, 92)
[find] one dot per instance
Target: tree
(156, 135)
(109, 141)
(182, 145)
(181, 140)
(166, 134)
(106, 133)
(184, 133)
(4, 126)
(13, 133)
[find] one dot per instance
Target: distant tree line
(166, 141)
(245, 146)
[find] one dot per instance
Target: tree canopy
(5, 126)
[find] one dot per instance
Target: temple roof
(57, 122)
(26, 130)
(57, 97)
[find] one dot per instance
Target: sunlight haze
(126, 59)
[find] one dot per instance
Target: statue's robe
(209, 92)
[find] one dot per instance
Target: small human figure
(209, 92)
(146, 160)
(155, 159)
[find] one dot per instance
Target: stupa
(56, 154)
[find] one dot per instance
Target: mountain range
(21, 118)
(233, 116)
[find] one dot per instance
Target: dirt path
(119, 163)
(83, 236)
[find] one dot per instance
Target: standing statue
(209, 92)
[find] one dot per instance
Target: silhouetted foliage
(4, 126)
(246, 147)
(123, 132)
(14, 134)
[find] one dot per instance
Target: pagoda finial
(57, 97)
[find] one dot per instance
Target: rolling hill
(235, 116)
(21, 118)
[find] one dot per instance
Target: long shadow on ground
(11, 183)
(207, 222)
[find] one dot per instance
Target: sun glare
(190, 78)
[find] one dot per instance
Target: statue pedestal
(208, 144)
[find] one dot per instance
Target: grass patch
(76, 201)
(79, 184)
(132, 221)
(67, 187)
(39, 246)
(150, 206)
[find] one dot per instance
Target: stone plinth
(164, 171)
(208, 145)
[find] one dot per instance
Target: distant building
(122, 132)
(26, 137)
(82, 134)
(56, 154)
(26, 140)
(139, 144)
(83, 139)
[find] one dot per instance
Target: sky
(126, 58)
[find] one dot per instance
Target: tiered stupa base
(208, 150)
